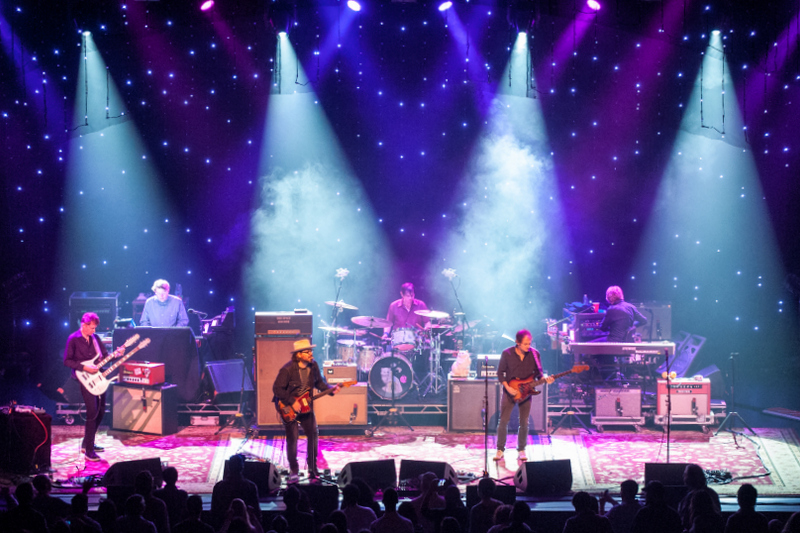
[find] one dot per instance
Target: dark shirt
(175, 499)
(512, 367)
(708, 523)
(621, 516)
(619, 319)
(288, 385)
(155, 510)
(657, 519)
(84, 524)
(400, 317)
(587, 522)
(137, 524)
(299, 522)
(191, 525)
(23, 518)
(747, 521)
(684, 506)
(481, 516)
(53, 509)
(79, 350)
(226, 491)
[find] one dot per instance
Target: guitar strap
(96, 346)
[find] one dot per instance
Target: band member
(517, 362)
(297, 377)
(402, 312)
(621, 318)
(163, 310)
(82, 347)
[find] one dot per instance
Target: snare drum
(367, 356)
(391, 371)
(404, 339)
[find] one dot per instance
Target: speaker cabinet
(379, 475)
(25, 441)
(411, 470)
(271, 355)
(145, 409)
(264, 475)
(465, 404)
(120, 477)
(667, 473)
(690, 400)
(348, 406)
(544, 478)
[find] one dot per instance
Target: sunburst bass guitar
(527, 386)
(98, 382)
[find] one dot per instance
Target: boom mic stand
(392, 414)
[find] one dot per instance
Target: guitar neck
(121, 360)
(555, 376)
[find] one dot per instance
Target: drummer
(402, 312)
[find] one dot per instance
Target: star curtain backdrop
(397, 141)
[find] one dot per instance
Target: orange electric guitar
(287, 412)
(527, 386)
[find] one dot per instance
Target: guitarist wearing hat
(292, 394)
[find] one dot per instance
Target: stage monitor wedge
(379, 475)
(411, 470)
(264, 475)
(544, 478)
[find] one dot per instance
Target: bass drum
(391, 371)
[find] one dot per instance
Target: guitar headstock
(146, 342)
(132, 340)
(577, 369)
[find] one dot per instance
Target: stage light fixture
(354, 5)
(208, 4)
(521, 16)
(594, 5)
(444, 6)
(280, 18)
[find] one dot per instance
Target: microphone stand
(669, 399)
(733, 415)
(326, 348)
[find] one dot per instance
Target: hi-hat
(341, 305)
(351, 342)
(371, 321)
(342, 331)
(429, 325)
(432, 314)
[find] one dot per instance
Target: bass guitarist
(82, 347)
(296, 378)
(517, 362)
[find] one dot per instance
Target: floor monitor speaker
(264, 475)
(379, 475)
(544, 478)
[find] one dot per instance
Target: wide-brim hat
(302, 345)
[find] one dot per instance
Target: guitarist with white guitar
(83, 347)
(292, 388)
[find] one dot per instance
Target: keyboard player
(621, 318)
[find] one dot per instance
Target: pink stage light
(208, 4)
(593, 4)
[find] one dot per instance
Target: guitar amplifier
(483, 369)
(691, 401)
(142, 373)
(284, 324)
(104, 304)
(145, 409)
(337, 372)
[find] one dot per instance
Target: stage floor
(770, 460)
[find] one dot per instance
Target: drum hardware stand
(238, 420)
(392, 415)
(733, 415)
(434, 378)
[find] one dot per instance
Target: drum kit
(387, 361)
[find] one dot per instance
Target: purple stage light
(593, 4)
(208, 4)
(444, 6)
(355, 6)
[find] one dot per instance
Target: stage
(770, 460)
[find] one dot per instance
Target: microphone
(195, 312)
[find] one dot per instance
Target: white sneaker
(499, 455)
(521, 456)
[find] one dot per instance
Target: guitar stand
(238, 420)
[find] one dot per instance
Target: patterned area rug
(599, 460)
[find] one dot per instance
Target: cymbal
(461, 327)
(342, 331)
(341, 305)
(351, 342)
(430, 326)
(371, 321)
(432, 314)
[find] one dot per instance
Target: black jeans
(506, 407)
(309, 423)
(95, 410)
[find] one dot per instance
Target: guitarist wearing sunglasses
(292, 390)
(517, 363)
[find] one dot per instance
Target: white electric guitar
(98, 382)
